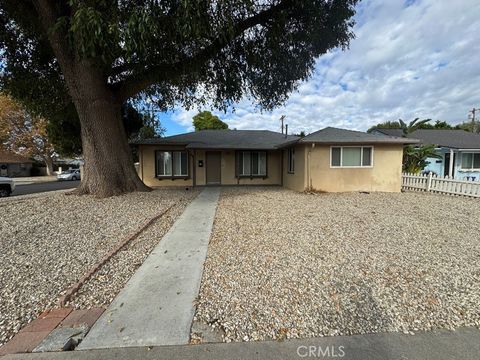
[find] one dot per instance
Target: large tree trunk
(108, 168)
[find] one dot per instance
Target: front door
(213, 164)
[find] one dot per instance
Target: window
(351, 156)
(172, 163)
(291, 160)
(470, 161)
(252, 163)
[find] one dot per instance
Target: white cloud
(410, 61)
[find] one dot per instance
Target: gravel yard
(48, 242)
(283, 264)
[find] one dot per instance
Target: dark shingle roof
(458, 139)
(11, 158)
(331, 135)
(226, 139)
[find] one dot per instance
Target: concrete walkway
(463, 344)
(156, 307)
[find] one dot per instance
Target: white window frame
(473, 161)
(361, 157)
(291, 160)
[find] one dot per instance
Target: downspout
(281, 167)
(194, 170)
(310, 183)
(451, 164)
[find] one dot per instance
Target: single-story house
(331, 160)
(459, 151)
(14, 165)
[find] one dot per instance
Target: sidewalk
(441, 345)
(156, 307)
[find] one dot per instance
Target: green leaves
(205, 120)
(171, 49)
(92, 32)
(413, 125)
(415, 158)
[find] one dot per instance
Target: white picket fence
(438, 184)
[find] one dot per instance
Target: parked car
(72, 174)
(7, 186)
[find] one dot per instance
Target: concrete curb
(34, 179)
(75, 287)
(18, 198)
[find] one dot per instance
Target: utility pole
(282, 119)
(472, 116)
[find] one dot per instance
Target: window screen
(336, 156)
(351, 156)
(367, 156)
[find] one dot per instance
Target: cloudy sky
(409, 59)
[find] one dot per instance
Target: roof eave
(287, 144)
(401, 142)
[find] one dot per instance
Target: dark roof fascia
(367, 142)
(287, 144)
(224, 147)
(160, 143)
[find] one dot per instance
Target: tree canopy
(99, 54)
(23, 134)
(170, 48)
(415, 157)
(442, 125)
(205, 120)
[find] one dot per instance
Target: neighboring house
(13, 165)
(459, 151)
(330, 160)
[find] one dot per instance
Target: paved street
(42, 187)
(439, 345)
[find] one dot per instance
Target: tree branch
(58, 40)
(136, 83)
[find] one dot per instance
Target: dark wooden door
(214, 165)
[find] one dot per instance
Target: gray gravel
(102, 288)
(47, 243)
(283, 264)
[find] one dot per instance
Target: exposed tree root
(84, 189)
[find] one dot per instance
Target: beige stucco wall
(297, 180)
(385, 175)
(147, 168)
(273, 170)
(312, 168)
